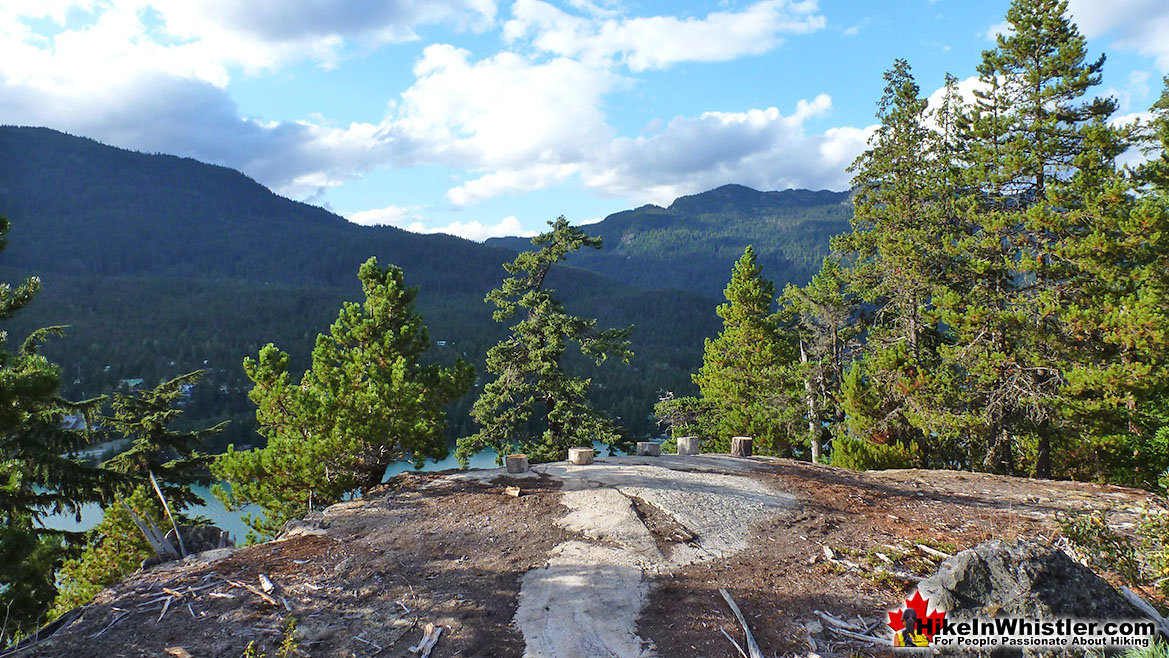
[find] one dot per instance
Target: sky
(490, 117)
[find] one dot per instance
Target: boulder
(1022, 579)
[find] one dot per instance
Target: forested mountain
(692, 244)
(160, 264)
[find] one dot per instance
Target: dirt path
(639, 518)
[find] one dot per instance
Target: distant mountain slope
(160, 263)
(80, 207)
(692, 244)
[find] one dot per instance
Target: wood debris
(933, 551)
(429, 638)
(752, 645)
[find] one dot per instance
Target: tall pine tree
(1028, 135)
(747, 377)
(895, 258)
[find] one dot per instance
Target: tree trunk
(1043, 453)
(813, 411)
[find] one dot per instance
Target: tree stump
(741, 446)
(517, 463)
(688, 445)
(581, 456)
(648, 449)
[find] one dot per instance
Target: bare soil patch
(427, 549)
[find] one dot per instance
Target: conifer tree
(172, 457)
(41, 468)
(1116, 309)
(365, 403)
(530, 376)
(1029, 137)
(115, 547)
(895, 258)
(747, 378)
(826, 318)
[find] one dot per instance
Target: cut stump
(688, 445)
(581, 456)
(648, 449)
(741, 446)
(517, 463)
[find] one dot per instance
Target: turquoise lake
(233, 522)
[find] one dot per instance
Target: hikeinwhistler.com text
(1043, 633)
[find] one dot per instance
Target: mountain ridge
(692, 243)
(163, 265)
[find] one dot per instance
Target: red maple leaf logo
(930, 622)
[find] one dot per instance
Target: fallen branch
(165, 607)
(838, 622)
(429, 639)
(752, 645)
(372, 644)
(1148, 610)
(253, 590)
(933, 551)
(858, 636)
(108, 626)
(734, 642)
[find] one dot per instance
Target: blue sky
(489, 117)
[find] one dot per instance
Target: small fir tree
(173, 457)
(365, 403)
(746, 375)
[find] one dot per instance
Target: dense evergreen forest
(692, 244)
(999, 302)
(161, 265)
(992, 295)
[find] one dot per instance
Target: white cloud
(515, 181)
(1140, 25)
(153, 76)
(657, 42)
(475, 231)
(206, 40)
(991, 34)
(502, 111)
(390, 216)
(759, 148)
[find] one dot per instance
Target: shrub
(864, 455)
